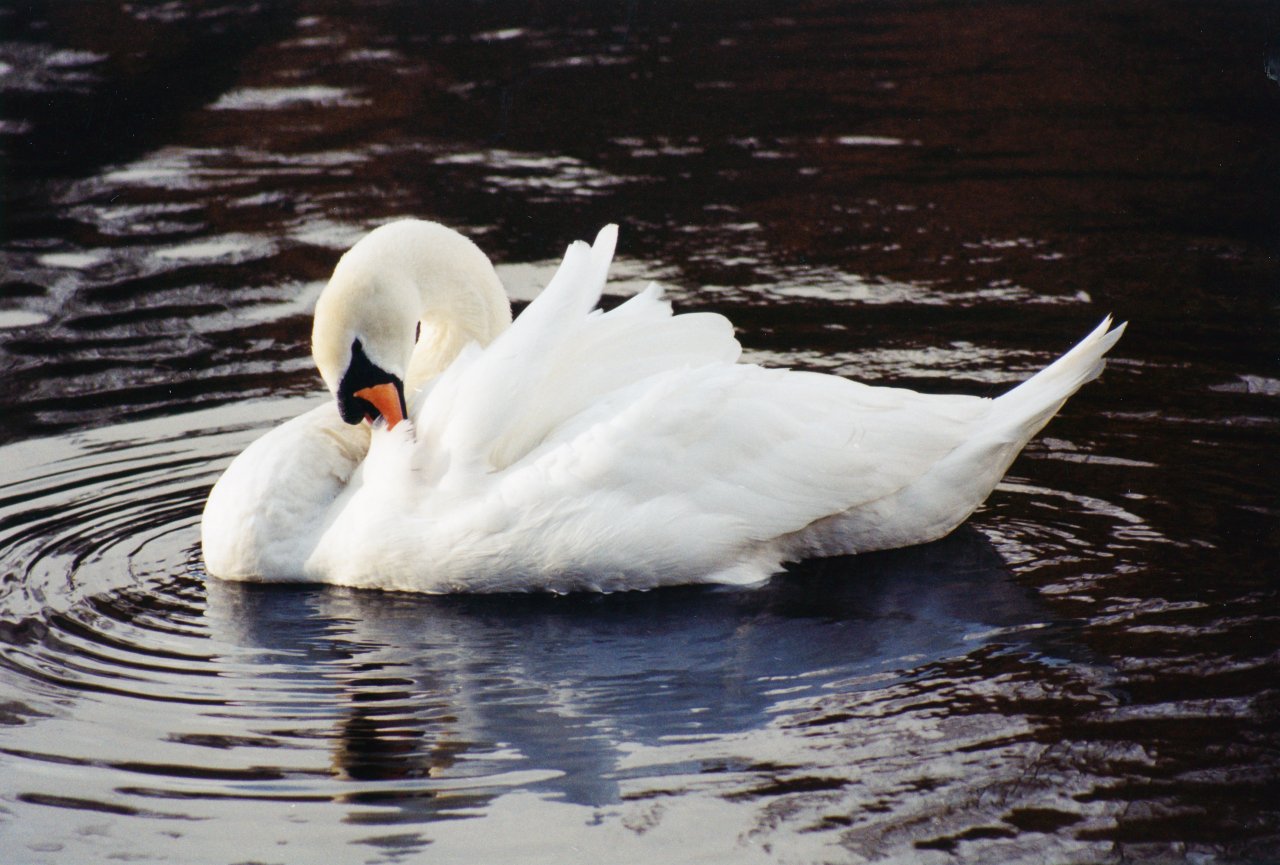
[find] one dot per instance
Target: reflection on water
(402, 710)
(938, 194)
(432, 688)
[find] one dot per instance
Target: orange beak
(386, 399)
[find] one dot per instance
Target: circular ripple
(146, 703)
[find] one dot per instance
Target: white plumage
(585, 450)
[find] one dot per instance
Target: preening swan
(576, 449)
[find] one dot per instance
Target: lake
(931, 193)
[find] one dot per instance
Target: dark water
(939, 194)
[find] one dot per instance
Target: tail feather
(1030, 405)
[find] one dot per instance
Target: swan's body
(584, 450)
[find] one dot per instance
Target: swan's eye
(417, 332)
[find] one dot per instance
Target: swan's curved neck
(401, 278)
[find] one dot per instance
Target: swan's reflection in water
(434, 704)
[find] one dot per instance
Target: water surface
(942, 195)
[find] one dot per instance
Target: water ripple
(398, 707)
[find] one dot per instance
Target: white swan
(576, 449)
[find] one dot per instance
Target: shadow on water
(566, 682)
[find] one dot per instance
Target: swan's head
(401, 279)
(362, 341)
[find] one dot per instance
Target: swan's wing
(779, 449)
(560, 357)
(714, 460)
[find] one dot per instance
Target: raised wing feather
(559, 358)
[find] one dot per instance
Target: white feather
(618, 450)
